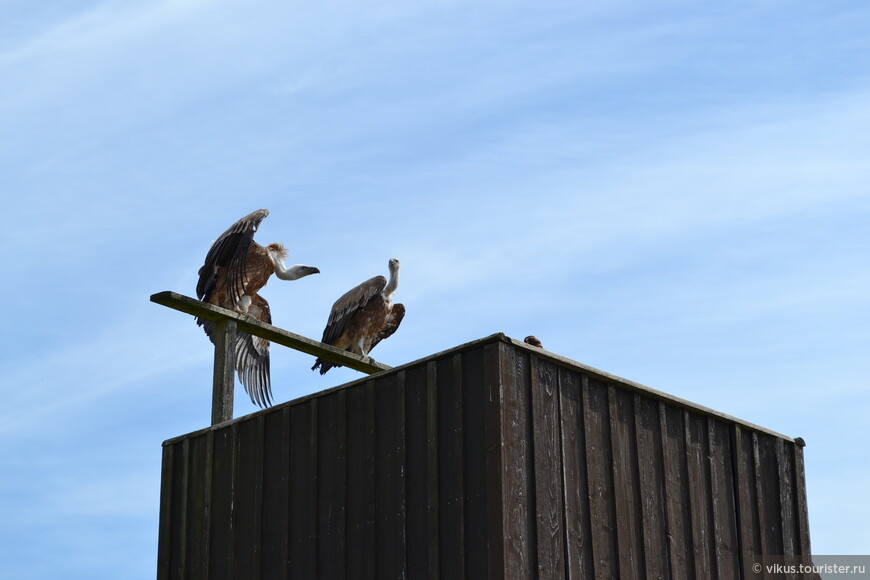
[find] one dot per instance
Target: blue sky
(675, 192)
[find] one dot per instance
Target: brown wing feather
(252, 357)
(343, 312)
(346, 307)
(394, 319)
(225, 261)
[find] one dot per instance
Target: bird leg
(243, 304)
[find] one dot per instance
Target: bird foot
(246, 315)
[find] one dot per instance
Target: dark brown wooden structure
(494, 459)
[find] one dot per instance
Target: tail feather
(323, 365)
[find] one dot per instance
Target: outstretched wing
(394, 319)
(252, 357)
(348, 305)
(225, 261)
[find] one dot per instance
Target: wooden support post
(224, 370)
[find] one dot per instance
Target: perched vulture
(363, 317)
(532, 341)
(235, 269)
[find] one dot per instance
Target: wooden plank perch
(224, 380)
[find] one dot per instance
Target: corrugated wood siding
(493, 460)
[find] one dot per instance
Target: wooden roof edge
(646, 390)
(498, 336)
(558, 359)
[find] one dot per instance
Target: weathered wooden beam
(224, 370)
(274, 334)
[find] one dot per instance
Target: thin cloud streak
(52, 386)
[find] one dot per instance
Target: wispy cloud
(50, 386)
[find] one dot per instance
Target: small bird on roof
(236, 268)
(533, 341)
(363, 317)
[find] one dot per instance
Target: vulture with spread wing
(235, 269)
(363, 317)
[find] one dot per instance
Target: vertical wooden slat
(546, 446)
(417, 473)
(331, 468)
(209, 506)
(494, 481)
(726, 544)
(248, 504)
(180, 519)
(167, 506)
(474, 452)
(360, 546)
(401, 558)
(768, 494)
(433, 501)
(199, 505)
(681, 555)
(517, 492)
(451, 515)
(747, 504)
(599, 462)
(224, 473)
(764, 543)
(303, 490)
(629, 530)
(578, 530)
(276, 494)
(695, 429)
(389, 475)
(651, 483)
(801, 511)
(224, 370)
(786, 499)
